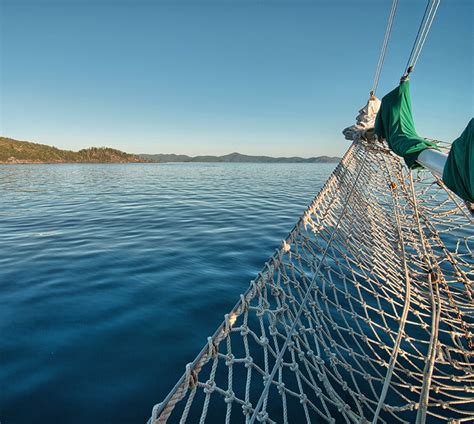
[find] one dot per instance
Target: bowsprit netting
(364, 314)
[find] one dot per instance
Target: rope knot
(433, 277)
(281, 388)
(247, 408)
(244, 330)
(154, 412)
(276, 291)
(229, 396)
(285, 247)
(244, 302)
(212, 347)
(209, 386)
(230, 359)
(248, 362)
(193, 379)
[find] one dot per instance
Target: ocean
(112, 276)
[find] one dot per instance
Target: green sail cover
(395, 123)
(458, 174)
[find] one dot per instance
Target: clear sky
(212, 77)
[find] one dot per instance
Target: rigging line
(383, 49)
(406, 306)
(305, 299)
(436, 306)
(417, 34)
(384, 45)
(422, 34)
(426, 34)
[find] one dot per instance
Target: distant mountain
(239, 158)
(14, 151)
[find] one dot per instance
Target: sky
(271, 77)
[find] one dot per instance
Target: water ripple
(112, 276)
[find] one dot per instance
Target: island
(239, 158)
(25, 152)
(18, 152)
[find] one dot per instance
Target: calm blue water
(112, 276)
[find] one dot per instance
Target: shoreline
(149, 162)
(73, 163)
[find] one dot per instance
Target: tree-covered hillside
(14, 151)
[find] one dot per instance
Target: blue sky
(212, 77)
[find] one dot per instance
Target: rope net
(365, 313)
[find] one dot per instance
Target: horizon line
(177, 154)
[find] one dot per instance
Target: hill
(15, 151)
(239, 158)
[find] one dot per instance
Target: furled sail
(395, 124)
(458, 172)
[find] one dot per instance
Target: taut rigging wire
(423, 30)
(383, 49)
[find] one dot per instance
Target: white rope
(383, 49)
(421, 36)
(406, 306)
(435, 313)
(365, 313)
(303, 304)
